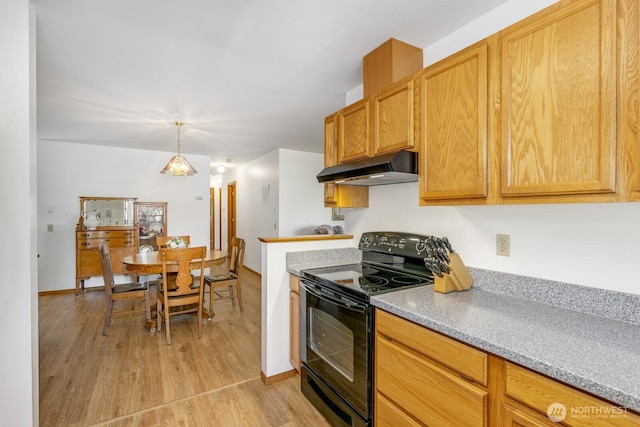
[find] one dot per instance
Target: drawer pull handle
(127, 242)
(86, 244)
(464, 377)
(127, 234)
(85, 235)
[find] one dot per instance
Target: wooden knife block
(458, 278)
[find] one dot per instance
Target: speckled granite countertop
(298, 261)
(589, 338)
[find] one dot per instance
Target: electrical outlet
(503, 244)
(49, 228)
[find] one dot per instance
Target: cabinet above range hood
(393, 168)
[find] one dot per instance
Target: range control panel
(404, 244)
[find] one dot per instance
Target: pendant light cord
(179, 124)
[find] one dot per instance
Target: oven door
(336, 343)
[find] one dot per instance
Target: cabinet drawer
(389, 415)
(105, 234)
(578, 408)
(430, 393)
(113, 243)
(518, 417)
(467, 361)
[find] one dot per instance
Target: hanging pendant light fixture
(178, 165)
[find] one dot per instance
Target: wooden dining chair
(161, 241)
(185, 297)
(121, 294)
(231, 280)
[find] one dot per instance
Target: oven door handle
(341, 302)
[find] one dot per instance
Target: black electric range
(390, 261)
(337, 323)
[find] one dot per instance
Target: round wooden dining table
(146, 263)
(149, 263)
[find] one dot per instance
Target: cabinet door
(294, 321)
(426, 391)
(575, 407)
(453, 127)
(393, 119)
(558, 102)
(346, 196)
(150, 221)
(294, 329)
(353, 132)
(517, 417)
(330, 156)
(331, 140)
(389, 415)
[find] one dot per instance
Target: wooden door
(215, 209)
(558, 102)
(231, 213)
(453, 128)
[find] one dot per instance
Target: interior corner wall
(67, 171)
(277, 195)
(301, 195)
(257, 199)
(18, 285)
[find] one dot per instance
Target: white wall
(18, 282)
(67, 171)
(277, 195)
(256, 214)
(301, 195)
(595, 245)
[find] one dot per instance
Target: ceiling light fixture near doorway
(178, 165)
(222, 168)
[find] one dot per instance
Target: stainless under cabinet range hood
(393, 168)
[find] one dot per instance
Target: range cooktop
(363, 279)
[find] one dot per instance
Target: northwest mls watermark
(558, 412)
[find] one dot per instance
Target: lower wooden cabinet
(425, 378)
(562, 403)
(413, 385)
(121, 243)
(294, 322)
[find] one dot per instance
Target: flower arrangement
(176, 242)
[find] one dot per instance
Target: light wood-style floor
(133, 378)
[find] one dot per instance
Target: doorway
(231, 213)
(215, 210)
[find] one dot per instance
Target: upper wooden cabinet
(558, 103)
(353, 132)
(452, 99)
(393, 118)
(331, 140)
(339, 196)
(389, 63)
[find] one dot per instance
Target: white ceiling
(246, 76)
